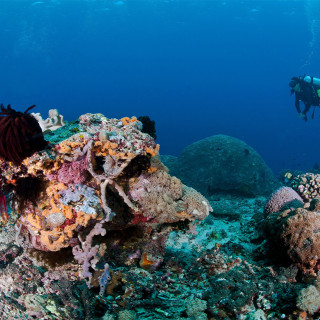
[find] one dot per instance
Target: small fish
(288, 175)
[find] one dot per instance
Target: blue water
(197, 67)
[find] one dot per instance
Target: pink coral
(280, 198)
(71, 172)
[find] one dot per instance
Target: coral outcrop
(99, 229)
(223, 163)
(102, 175)
(294, 235)
(292, 222)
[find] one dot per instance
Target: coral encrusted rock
(103, 174)
(223, 163)
(294, 235)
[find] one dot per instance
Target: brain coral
(280, 198)
(223, 163)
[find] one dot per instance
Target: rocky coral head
(20, 135)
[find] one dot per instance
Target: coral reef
(206, 272)
(91, 185)
(105, 232)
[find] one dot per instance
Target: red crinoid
(20, 135)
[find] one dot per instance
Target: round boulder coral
(223, 163)
(280, 198)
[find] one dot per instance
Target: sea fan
(20, 135)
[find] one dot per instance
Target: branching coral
(307, 185)
(20, 135)
(86, 254)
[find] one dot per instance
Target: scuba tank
(312, 80)
(316, 90)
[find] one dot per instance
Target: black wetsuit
(308, 95)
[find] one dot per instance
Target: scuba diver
(307, 90)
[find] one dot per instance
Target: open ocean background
(196, 67)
